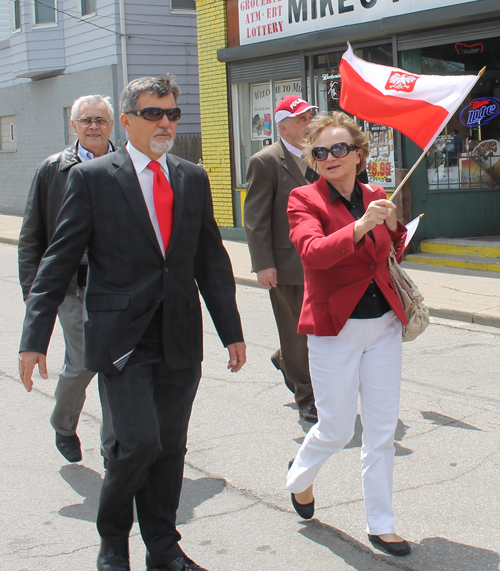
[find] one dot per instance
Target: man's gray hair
(161, 86)
(77, 103)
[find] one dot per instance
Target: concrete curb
(443, 313)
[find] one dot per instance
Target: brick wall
(214, 106)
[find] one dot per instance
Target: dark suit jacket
(271, 176)
(129, 278)
(338, 271)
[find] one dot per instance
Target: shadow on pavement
(358, 431)
(87, 484)
(195, 493)
(431, 553)
(442, 420)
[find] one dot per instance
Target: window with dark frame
(45, 12)
(183, 5)
(16, 15)
(88, 7)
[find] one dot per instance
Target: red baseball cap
(291, 106)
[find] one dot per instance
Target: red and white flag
(417, 105)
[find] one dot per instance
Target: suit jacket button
(372, 267)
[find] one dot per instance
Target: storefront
(281, 47)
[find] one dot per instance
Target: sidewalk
(464, 295)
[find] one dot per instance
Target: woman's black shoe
(306, 511)
(396, 548)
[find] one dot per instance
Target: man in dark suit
(153, 244)
(272, 174)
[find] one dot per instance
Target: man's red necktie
(164, 202)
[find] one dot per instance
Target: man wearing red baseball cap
(273, 172)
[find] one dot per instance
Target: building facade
(275, 48)
(53, 51)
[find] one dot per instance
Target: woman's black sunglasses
(156, 113)
(338, 150)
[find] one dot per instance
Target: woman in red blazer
(342, 230)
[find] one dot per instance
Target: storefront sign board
(265, 20)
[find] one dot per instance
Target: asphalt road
(235, 512)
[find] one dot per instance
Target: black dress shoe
(309, 413)
(276, 361)
(113, 558)
(181, 563)
(306, 511)
(396, 548)
(69, 447)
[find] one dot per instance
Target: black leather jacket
(42, 207)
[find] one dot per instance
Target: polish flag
(417, 105)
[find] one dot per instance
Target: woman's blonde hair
(335, 119)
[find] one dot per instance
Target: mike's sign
(264, 20)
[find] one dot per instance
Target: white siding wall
(161, 42)
(157, 42)
(86, 44)
(4, 19)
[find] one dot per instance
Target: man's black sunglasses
(338, 150)
(156, 113)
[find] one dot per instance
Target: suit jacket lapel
(289, 163)
(177, 184)
(127, 179)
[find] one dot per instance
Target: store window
(467, 152)
(381, 163)
(253, 118)
(45, 11)
(8, 137)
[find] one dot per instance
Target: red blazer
(337, 272)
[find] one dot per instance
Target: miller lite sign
(480, 111)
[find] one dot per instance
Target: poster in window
(285, 88)
(380, 164)
(261, 110)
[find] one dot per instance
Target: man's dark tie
(311, 175)
(164, 202)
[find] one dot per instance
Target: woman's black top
(373, 303)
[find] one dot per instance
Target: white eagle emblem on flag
(401, 81)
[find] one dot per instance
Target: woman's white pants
(364, 358)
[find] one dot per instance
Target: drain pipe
(123, 39)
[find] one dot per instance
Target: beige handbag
(416, 311)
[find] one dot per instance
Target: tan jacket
(272, 175)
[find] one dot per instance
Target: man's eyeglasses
(338, 150)
(87, 121)
(156, 113)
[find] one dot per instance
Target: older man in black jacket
(92, 120)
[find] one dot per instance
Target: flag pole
(410, 172)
